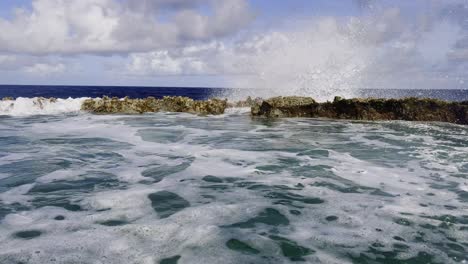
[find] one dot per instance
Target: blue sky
(365, 43)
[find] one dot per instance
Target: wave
(40, 106)
(23, 106)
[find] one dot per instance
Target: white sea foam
(236, 110)
(23, 106)
(40, 106)
(242, 153)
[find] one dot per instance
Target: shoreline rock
(409, 109)
(249, 102)
(106, 105)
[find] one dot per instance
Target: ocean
(198, 93)
(180, 188)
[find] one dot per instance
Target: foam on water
(22, 106)
(40, 106)
(160, 187)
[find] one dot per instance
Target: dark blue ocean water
(197, 93)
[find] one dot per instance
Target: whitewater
(23, 106)
(181, 188)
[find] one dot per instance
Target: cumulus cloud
(213, 58)
(111, 26)
(44, 69)
(363, 4)
(32, 65)
(400, 44)
(189, 60)
(152, 5)
(9, 62)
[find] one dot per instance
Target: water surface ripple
(178, 188)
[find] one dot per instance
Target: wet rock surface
(126, 105)
(248, 102)
(410, 109)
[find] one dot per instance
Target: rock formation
(126, 105)
(410, 109)
(249, 102)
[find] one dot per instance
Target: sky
(294, 44)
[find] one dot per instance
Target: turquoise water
(178, 188)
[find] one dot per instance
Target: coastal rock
(126, 105)
(8, 99)
(410, 109)
(249, 102)
(290, 106)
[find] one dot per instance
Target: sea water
(181, 188)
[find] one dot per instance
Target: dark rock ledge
(410, 109)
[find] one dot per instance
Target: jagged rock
(126, 105)
(411, 109)
(290, 106)
(249, 102)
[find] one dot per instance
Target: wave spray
(331, 56)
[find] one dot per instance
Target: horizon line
(202, 87)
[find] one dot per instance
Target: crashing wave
(105, 105)
(39, 106)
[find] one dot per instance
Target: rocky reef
(126, 105)
(249, 102)
(410, 109)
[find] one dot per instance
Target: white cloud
(191, 60)
(113, 26)
(229, 15)
(151, 5)
(7, 61)
(43, 69)
(32, 65)
(385, 45)
(158, 62)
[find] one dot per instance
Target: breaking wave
(320, 62)
(330, 56)
(40, 106)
